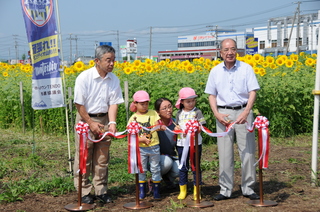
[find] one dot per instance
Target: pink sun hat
(185, 93)
(139, 96)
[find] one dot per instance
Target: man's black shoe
(104, 198)
(88, 199)
(220, 197)
(253, 196)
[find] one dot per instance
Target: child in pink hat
(187, 111)
(148, 142)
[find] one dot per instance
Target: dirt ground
(287, 182)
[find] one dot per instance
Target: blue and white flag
(47, 89)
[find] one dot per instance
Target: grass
(40, 164)
(36, 163)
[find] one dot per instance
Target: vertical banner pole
(126, 98)
(316, 92)
(64, 85)
(22, 108)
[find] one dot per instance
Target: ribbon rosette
(262, 123)
(191, 128)
(82, 130)
(134, 159)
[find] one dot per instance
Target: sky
(155, 24)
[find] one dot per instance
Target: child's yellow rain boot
(183, 192)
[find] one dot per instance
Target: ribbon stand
(197, 203)
(137, 204)
(261, 202)
(80, 206)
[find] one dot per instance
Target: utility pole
(298, 27)
(150, 42)
(211, 29)
(16, 46)
(119, 59)
(71, 46)
(76, 39)
(217, 42)
(70, 49)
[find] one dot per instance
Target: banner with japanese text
(41, 28)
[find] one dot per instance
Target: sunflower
(256, 57)
(273, 66)
(280, 61)
(252, 63)
(309, 62)
(79, 66)
(241, 59)
(137, 63)
(284, 57)
(148, 61)
(289, 63)
(198, 67)
(208, 62)
(294, 57)
(256, 70)
(149, 68)
(67, 71)
(127, 70)
(190, 69)
(91, 63)
(248, 57)
(162, 63)
(265, 64)
(185, 63)
(27, 69)
(5, 74)
(270, 59)
(4, 65)
(262, 72)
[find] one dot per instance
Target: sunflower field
(285, 97)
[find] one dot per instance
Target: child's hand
(145, 139)
(177, 127)
(163, 127)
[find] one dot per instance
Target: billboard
(106, 43)
(132, 46)
(251, 45)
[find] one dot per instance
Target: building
(278, 37)
(290, 34)
(206, 45)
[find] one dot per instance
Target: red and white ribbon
(190, 131)
(134, 159)
(262, 123)
(221, 134)
(82, 130)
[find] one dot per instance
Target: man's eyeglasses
(232, 50)
(166, 108)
